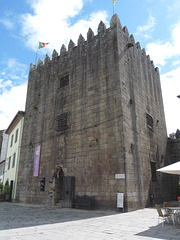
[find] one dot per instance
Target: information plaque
(120, 200)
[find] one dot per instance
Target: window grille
(62, 122)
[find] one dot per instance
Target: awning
(171, 169)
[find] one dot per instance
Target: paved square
(29, 222)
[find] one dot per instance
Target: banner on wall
(36, 161)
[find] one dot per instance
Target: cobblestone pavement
(29, 222)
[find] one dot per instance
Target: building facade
(96, 112)
(14, 132)
(172, 156)
(3, 150)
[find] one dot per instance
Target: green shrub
(6, 190)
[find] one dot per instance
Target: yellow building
(13, 153)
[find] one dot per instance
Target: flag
(114, 1)
(42, 44)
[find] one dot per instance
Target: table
(176, 211)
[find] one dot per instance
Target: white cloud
(5, 84)
(54, 22)
(11, 102)
(170, 84)
(173, 8)
(176, 38)
(176, 62)
(161, 51)
(13, 87)
(7, 23)
(82, 26)
(146, 29)
(13, 73)
(12, 63)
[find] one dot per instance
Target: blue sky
(155, 24)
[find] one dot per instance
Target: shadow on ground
(161, 232)
(13, 215)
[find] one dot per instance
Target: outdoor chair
(166, 205)
(179, 212)
(169, 211)
(162, 215)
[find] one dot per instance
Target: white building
(3, 151)
(14, 132)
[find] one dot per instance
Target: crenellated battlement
(92, 41)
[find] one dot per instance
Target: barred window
(150, 122)
(64, 81)
(62, 122)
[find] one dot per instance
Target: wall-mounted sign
(120, 176)
(120, 200)
(36, 161)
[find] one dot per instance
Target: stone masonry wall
(143, 145)
(172, 156)
(86, 108)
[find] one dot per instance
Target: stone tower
(96, 112)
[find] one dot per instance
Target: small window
(12, 137)
(153, 171)
(61, 122)
(150, 122)
(64, 81)
(16, 137)
(9, 163)
(14, 158)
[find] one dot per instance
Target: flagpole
(114, 1)
(36, 57)
(36, 54)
